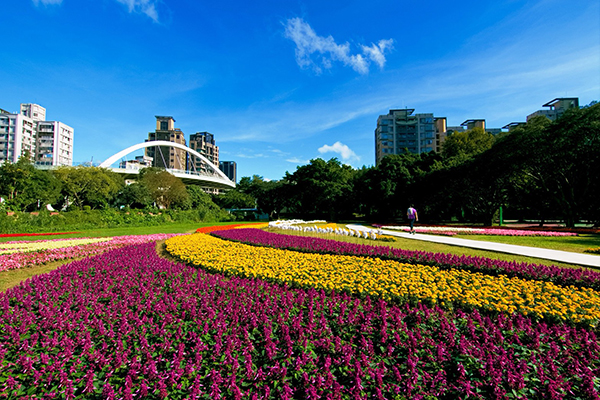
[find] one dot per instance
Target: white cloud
(46, 2)
(147, 7)
(375, 51)
(309, 46)
(296, 160)
(344, 151)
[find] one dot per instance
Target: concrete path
(587, 260)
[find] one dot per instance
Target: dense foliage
(25, 188)
(106, 218)
(540, 170)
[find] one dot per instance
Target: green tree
(269, 195)
(14, 178)
(25, 187)
(563, 161)
(321, 189)
(253, 186)
(135, 195)
(386, 191)
(461, 146)
(166, 190)
(235, 199)
(89, 186)
(272, 198)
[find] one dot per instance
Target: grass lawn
(184, 227)
(576, 244)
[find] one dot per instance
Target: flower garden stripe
(390, 279)
(579, 277)
(128, 324)
(25, 246)
(214, 228)
(4, 235)
(69, 249)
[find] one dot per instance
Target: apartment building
(33, 111)
(54, 144)
(165, 156)
(229, 168)
(400, 130)
(48, 143)
(204, 143)
(138, 163)
(17, 136)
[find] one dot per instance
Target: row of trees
(26, 188)
(540, 170)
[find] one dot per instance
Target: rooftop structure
(556, 108)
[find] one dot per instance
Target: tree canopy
(88, 186)
(166, 189)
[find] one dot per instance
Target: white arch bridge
(214, 178)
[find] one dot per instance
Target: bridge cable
(161, 156)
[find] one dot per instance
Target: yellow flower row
(22, 247)
(390, 279)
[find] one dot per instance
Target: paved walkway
(587, 260)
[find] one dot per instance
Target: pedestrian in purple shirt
(412, 218)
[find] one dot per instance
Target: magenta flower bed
(27, 259)
(128, 324)
(579, 277)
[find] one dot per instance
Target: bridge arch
(114, 158)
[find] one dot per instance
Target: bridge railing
(187, 172)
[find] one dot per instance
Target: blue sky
(281, 82)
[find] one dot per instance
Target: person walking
(412, 218)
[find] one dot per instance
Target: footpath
(585, 260)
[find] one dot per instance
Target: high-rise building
(401, 130)
(33, 111)
(165, 156)
(204, 143)
(54, 144)
(441, 131)
(229, 168)
(47, 142)
(556, 108)
(17, 137)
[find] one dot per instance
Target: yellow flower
(387, 279)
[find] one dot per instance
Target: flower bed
(450, 231)
(28, 246)
(333, 229)
(4, 235)
(578, 277)
(391, 280)
(208, 229)
(40, 252)
(128, 324)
